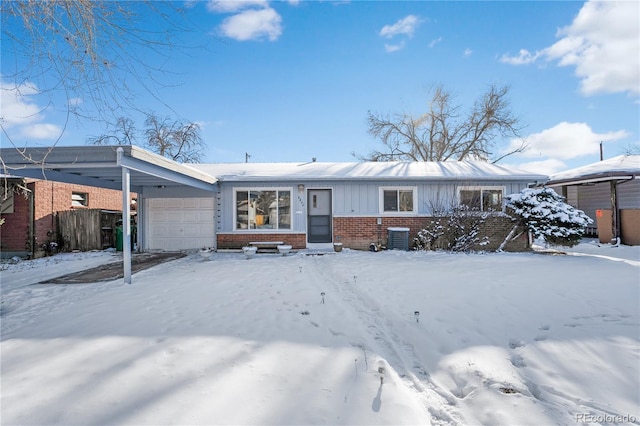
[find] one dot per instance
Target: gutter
(593, 178)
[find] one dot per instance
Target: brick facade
(14, 233)
(49, 198)
(359, 232)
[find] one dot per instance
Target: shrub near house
(458, 231)
(540, 211)
(545, 214)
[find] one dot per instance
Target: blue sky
(289, 81)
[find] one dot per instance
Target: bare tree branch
(441, 134)
(89, 52)
(177, 140)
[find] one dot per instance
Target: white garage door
(180, 223)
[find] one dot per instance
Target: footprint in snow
(515, 343)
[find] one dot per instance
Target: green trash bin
(119, 235)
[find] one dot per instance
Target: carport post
(126, 219)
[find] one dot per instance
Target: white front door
(319, 216)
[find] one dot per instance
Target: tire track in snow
(399, 354)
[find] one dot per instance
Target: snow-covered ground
(500, 339)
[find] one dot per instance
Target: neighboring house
(316, 204)
(30, 210)
(608, 192)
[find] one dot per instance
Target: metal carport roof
(99, 166)
(123, 168)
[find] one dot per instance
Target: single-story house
(305, 205)
(316, 204)
(608, 192)
(29, 208)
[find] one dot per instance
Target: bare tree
(122, 133)
(92, 53)
(177, 140)
(443, 134)
(632, 149)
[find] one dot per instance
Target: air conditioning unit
(398, 239)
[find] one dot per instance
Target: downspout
(615, 235)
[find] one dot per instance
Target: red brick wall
(14, 233)
(359, 232)
(236, 241)
(50, 197)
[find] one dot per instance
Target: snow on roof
(6, 176)
(620, 166)
(449, 170)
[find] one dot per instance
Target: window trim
(262, 188)
(482, 188)
(382, 189)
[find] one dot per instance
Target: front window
(481, 198)
(263, 209)
(398, 200)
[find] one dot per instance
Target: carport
(123, 168)
(608, 192)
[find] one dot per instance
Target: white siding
(352, 198)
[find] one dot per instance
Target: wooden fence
(87, 229)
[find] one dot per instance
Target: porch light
(300, 187)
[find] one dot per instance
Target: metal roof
(101, 166)
(423, 171)
(622, 167)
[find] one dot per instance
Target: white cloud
(434, 42)
(75, 102)
(16, 106)
(253, 25)
(566, 141)
(393, 47)
(41, 131)
(468, 52)
(546, 167)
(602, 43)
(405, 26)
(21, 116)
(523, 57)
(230, 6)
